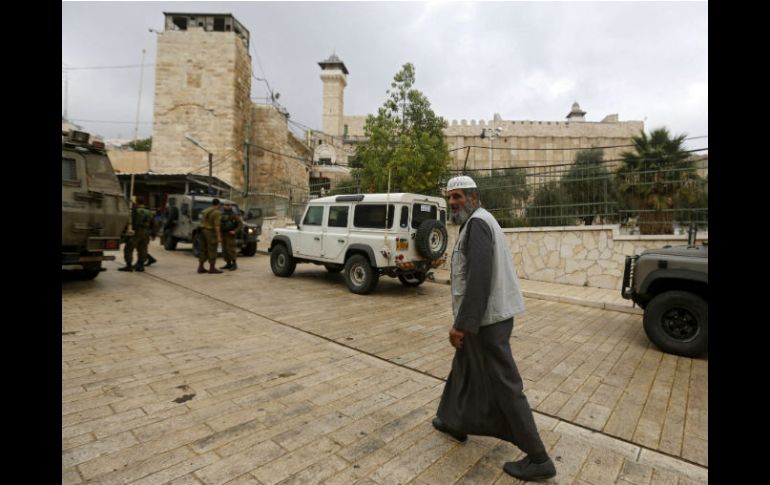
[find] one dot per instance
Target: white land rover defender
(366, 235)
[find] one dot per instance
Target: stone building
(202, 90)
(203, 104)
(515, 143)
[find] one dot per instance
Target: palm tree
(652, 176)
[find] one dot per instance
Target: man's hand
(456, 338)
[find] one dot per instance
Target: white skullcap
(461, 182)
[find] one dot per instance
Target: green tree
(587, 185)
(404, 140)
(144, 145)
(549, 207)
(502, 194)
(652, 177)
(345, 186)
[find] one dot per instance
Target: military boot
(201, 269)
(150, 260)
(233, 266)
(212, 268)
(139, 267)
(227, 266)
(127, 267)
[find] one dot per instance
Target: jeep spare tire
(431, 239)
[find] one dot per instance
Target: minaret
(334, 76)
(576, 114)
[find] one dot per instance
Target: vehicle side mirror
(297, 220)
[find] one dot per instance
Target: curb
(567, 299)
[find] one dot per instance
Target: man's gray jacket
(486, 259)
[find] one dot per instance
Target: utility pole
(211, 157)
(139, 101)
(66, 90)
(491, 134)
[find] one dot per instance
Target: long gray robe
(484, 394)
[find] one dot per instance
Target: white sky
(524, 60)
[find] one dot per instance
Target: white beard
(462, 214)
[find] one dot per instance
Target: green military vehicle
(181, 223)
(93, 209)
(671, 286)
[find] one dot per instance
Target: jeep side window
(404, 217)
(338, 216)
(69, 170)
(314, 216)
(422, 212)
(185, 209)
(373, 216)
(443, 216)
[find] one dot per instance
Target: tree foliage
(502, 193)
(588, 186)
(144, 145)
(653, 177)
(404, 140)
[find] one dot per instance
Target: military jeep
(181, 223)
(93, 208)
(671, 286)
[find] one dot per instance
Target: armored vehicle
(94, 211)
(365, 236)
(671, 285)
(181, 223)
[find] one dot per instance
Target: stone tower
(576, 114)
(202, 89)
(334, 76)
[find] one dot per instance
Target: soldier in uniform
(211, 220)
(142, 221)
(231, 226)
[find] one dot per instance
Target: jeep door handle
(317, 238)
(340, 240)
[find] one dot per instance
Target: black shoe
(127, 267)
(150, 260)
(139, 267)
(439, 425)
(233, 267)
(227, 266)
(525, 470)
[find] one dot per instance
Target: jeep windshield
(101, 178)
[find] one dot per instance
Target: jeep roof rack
(349, 198)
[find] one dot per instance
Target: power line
(104, 121)
(127, 66)
(560, 149)
(572, 164)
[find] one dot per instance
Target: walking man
(484, 394)
(211, 219)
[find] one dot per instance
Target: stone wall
(202, 88)
(129, 161)
(583, 256)
(527, 143)
(279, 162)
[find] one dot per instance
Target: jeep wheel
(281, 261)
(412, 280)
(334, 268)
(360, 277)
(169, 242)
(250, 249)
(677, 322)
(196, 242)
(431, 239)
